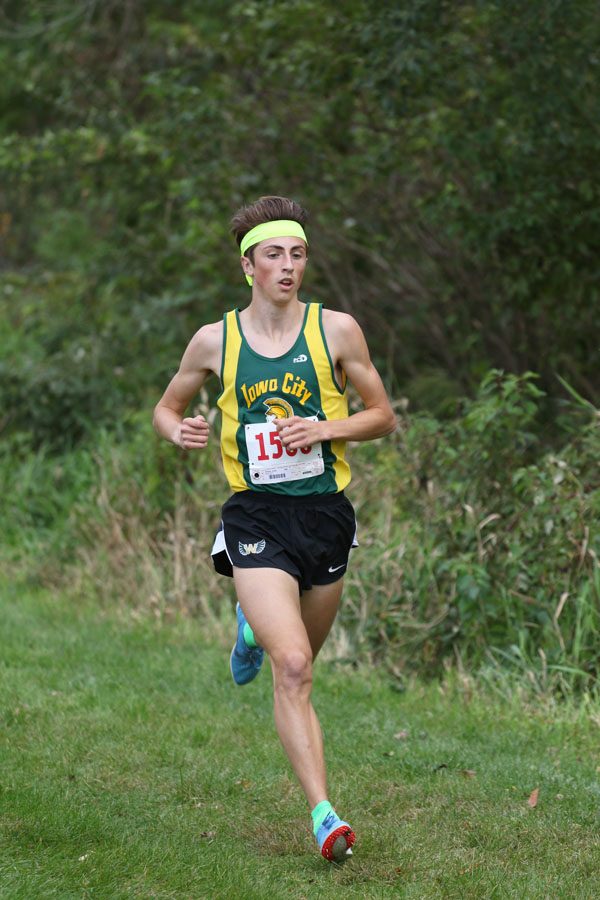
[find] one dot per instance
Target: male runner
(288, 528)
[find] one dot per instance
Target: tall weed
(493, 545)
(477, 547)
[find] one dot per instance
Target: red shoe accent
(343, 831)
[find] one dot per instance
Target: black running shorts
(309, 537)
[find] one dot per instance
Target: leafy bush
(477, 546)
(72, 352)
(127, 142)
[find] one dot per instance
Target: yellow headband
(278, 228)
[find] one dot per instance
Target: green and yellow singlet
(258, 389)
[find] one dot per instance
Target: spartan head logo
(278, 409)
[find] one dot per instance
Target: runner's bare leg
(271, 603)
(318, 608)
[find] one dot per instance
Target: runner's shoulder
(340, 326)
(206, 345)
(210, 334)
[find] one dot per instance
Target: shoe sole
(337, 846)
(231, 662)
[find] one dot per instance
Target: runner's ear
(247, 267)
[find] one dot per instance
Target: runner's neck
(272, 326)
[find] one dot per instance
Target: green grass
(130, 766)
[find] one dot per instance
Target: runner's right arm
(201, 358)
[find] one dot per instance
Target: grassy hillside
(132, 767)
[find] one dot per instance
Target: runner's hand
(297, 432)
(193, 433)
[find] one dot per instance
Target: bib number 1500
(265, 453)
(270, 462)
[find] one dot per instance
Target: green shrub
(478, 546)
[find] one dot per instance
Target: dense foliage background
(448, 154)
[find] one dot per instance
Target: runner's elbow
(156, 418)
(390, 423)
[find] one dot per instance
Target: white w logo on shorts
(247, 549)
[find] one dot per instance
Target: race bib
(269, 461)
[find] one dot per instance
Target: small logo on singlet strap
(302, 358)
(247, 549)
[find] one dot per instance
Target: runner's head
(281, 216)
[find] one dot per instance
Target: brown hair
(265, 209)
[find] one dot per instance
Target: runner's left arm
(375, 420)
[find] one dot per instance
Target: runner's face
(279, 265)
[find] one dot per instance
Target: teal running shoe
(245, 661)
(335, 838)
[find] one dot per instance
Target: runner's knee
(292, 669)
